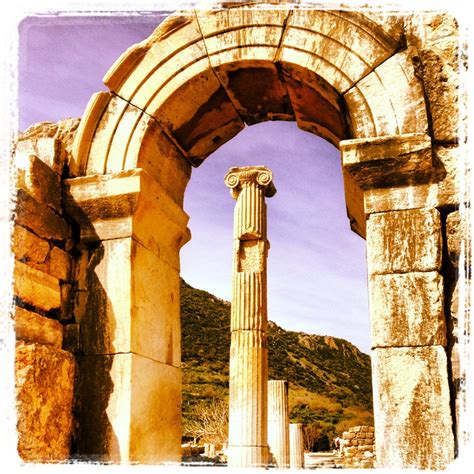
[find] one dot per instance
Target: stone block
(58, 264)
(71, 340)
(35, 287)
(428, 27)
(407, 309)
(126, 204)
(348, 53)
(66, 301)
(459, 298)
(457, 235)
(389, 100)
(404, 241)
(314, 102)
(348, 435)
(132, 300)
(412, 408)
(388, 161)
(443, 189)
(40, 219)
(48, 149)
(39, 180)
(44, 382)
(129, 409)
(28, 247)
(440, 70)
(63, 130)
(31, 327)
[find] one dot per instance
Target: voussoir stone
(407, 309)
(404, 241)
(44, 381)
(412, 407)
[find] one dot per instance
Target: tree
(208, 422)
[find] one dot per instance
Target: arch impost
(126, 204)
(388, 161)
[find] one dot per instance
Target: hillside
(329, 378)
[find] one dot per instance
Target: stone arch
(176, 97)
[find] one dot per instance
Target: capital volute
(239, 177)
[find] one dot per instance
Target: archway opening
(317, 288)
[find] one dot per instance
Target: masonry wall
(43, 289)
(358, 447)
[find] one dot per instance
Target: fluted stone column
(296, 446)
(278, 431)
(248, 368)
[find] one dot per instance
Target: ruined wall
(43, 283)
(358, 446)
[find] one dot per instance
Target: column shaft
(296, 446)
(278, 431)
(248, 366)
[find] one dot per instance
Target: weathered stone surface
(444, 189)
(278, 432)
(130, 203)
(125, 312)
(382, 162)
(71, 339)
(62, 130)
(31, 327)
(412, 408)
(459, 303)
(28, 247)
(39, 254)
(47, 149)
(358, 447)
(35, 287)
(296, 446)
(457, 235)
(128, 406)
(44, 380)
(404, 241)
(224, 32)
(40, 219)
(66, 301)
(440, 69)
(428, 27)
(39, 180)
(378, 104)
(407, 310)
(315, 103)
(58, 264)
(248, 366)
(349, 44)
(174, 58)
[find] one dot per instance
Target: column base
(248, 456)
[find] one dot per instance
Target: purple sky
(317, 270)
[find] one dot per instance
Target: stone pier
(248, 367)
(278, 431)
(296, 446)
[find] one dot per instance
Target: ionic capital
(239, 177)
